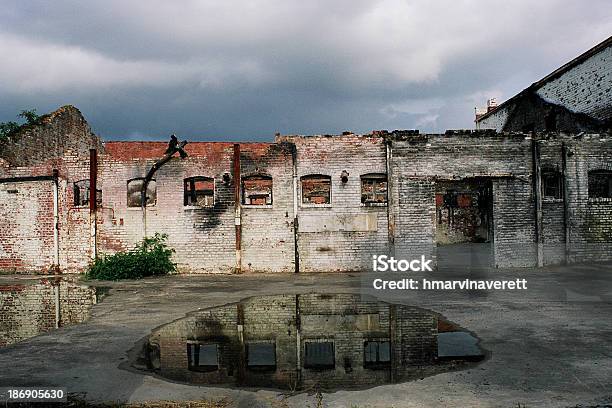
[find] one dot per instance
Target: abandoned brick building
(304, 203)
(574, 98)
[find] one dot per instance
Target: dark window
(319, 355)
(257, 190)
(552, 184)
(81, 194)
(134, 188)
(600, 184)
(316, 189)
(529, 127)
(261, 356)
(153, 356)
(374, 189)
(199, 191)
(376, 354)
(550, 122)
(202, 357)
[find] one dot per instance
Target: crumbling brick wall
(267, 230)
(61, 141)
(553, 215)
(203, 237)
(589, 219)
(342, 235)
(420, 160)
(37, 149)
(26, 226)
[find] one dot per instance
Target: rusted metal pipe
(296, 223)
(537, 194)
(56, 221)
(237, 206)
(93, 198)
(566, 204)
(56, 295)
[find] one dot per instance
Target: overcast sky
(243, 70)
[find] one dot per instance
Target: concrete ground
(550, 346)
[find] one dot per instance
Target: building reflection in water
(28, 308)
(298, 342)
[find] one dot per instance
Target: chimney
(491, 104)
(480, 112)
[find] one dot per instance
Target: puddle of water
(458, 345)
(301, 342)
(29, 309)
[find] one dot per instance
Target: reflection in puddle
(303, 341)
(27, 310)
(458, 344)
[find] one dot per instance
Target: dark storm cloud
(245, 69)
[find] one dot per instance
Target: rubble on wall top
(128, 150)
(64, 110)
(406, 132)
(471, 132)
(279, 137)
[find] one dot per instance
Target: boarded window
(552, 186)
(261, 356)
(319, 355)
(202, 357)
(200, 191)
(134, 189)
(81, 194)
(374, 189)
(257, 190)
(376, 354)
(600, 184)
(316, 189)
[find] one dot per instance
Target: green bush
(151, 257)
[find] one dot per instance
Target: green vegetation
(151, 257)
(9, 128)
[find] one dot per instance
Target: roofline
(553, 75)
(188, 142)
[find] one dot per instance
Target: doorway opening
(464, 224)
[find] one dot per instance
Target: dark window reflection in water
(377, 353)
(261, 355)
(319, 355)
(302, 341)
(202, 357)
